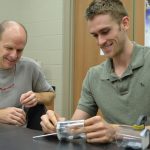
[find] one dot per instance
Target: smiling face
(110, 35)
(12, 43)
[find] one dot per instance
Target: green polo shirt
(121, 100)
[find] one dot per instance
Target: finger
(99, 140)
(47, 124)
(14, 122)
(76, 130)
(31, 103)
(97, 134)
(45, 130)
(17, 120)
(25, 95)
(95, 127)
(92, 120)
(20, 114)
(29, 99)
(22, 97)
(21, 111)
(101, 136)
(52, 117)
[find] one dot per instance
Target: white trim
(67, 58)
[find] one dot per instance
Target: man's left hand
(98, 131)
(29, 99)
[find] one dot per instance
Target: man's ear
(125, 23)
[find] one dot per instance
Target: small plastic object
(129, 138)
(140, 124)
(134, 137)
(69, 130)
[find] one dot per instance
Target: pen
(43, 135)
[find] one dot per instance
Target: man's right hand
(12, 115)
(49, 121)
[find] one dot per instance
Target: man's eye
(20, 50)
(95, 35)
(105, 32)
(9, 48)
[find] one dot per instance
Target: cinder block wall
(44, 23)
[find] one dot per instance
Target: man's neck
(122, 61)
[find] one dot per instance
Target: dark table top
(19, 138)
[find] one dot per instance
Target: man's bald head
(7, 24)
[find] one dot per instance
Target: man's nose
(100, 40)
(14, 54)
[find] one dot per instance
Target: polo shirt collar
(137, 61)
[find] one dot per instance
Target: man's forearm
(47, 98)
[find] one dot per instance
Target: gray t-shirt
(25, 76)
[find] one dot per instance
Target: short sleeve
(86, 101)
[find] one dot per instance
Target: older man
(22, 84)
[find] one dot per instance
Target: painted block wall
(44, 23)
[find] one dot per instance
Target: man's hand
(13, 115)
(29, 99)
(49, 121)
(98, 131)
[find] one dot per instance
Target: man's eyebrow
(101, 30)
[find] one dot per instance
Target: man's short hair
(6, 23)
(115, 8)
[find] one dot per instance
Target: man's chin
(109, 55)
(9, 66)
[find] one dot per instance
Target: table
(20, 138)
